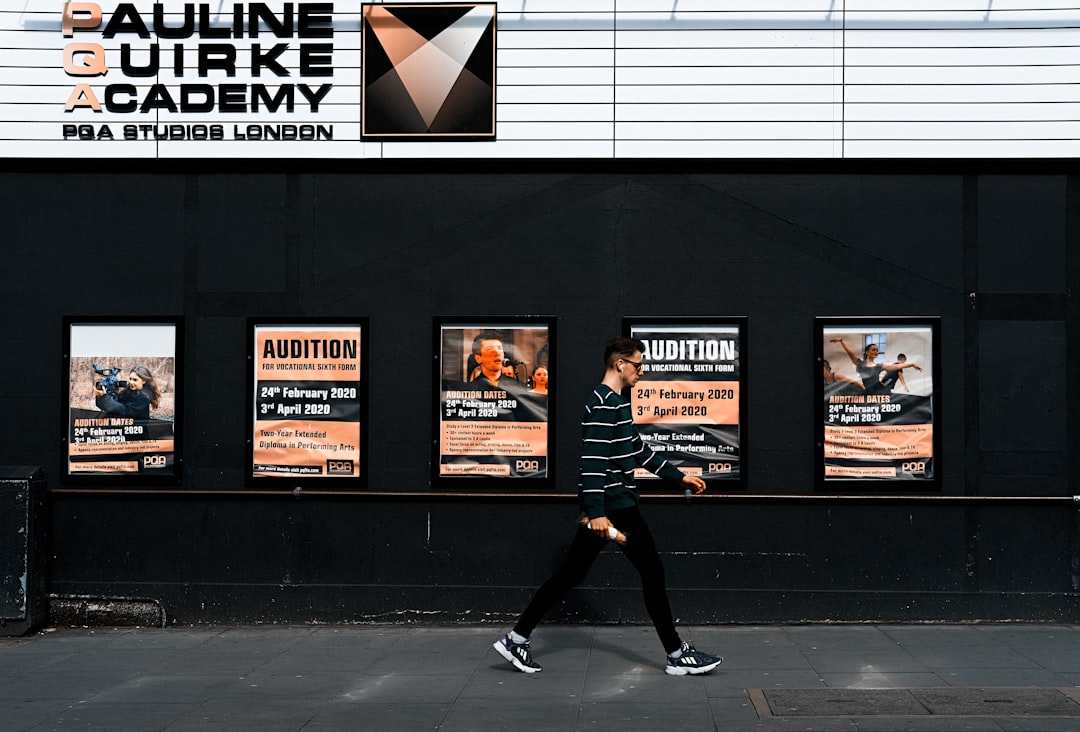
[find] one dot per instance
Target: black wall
(994, 250)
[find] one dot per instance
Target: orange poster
(308, 401)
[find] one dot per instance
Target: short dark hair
(487, 335)
(623, 348)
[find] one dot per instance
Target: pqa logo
(527, 466)
(154, 461)
(719, 467)
(915, 468)
(339, 467)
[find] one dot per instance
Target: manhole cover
(938, 702)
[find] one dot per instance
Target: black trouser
(639, 549)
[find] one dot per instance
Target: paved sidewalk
(403, 678)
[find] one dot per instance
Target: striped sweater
(611, 449)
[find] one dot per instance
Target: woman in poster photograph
(131, 400)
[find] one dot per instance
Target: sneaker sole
(498, 646)
(684, 670)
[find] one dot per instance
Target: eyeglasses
(637, 365)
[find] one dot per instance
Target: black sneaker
(517, 654)
(691, 662)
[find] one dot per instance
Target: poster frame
(481, 485)
(741, 323)
(867, 325)
(309, 483)
(125, 481)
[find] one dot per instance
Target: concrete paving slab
(389, 688)
(970, 656)
(528, 713)
(852, 637)
(1002, 677)
(126, 717)
(644, 716)
(397, 716)
(870, 679)
(644, 685)
(869, 660)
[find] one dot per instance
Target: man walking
(608, 497)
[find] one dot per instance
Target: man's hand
(697, 485)
(600, 526)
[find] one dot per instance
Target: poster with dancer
(878, 402)
(122, 423)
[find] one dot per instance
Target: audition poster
(878, 401)
(308, 401)
(122, 399)
(688, 404)
(495, 383)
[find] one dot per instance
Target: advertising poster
(122, 381)
(688, 404)
(495, 388)
(878, 406)
(308, 401)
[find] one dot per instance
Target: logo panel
(428, 72)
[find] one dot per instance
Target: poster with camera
(495, 386)
(878, 402)
(308, 402)
(689, 404)
(122, 406)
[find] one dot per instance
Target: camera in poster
(494, 385)
(687, 404)
(307, 401)
(122, 399)
(878, 402)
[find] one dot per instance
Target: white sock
(517, 638)
(675, 654)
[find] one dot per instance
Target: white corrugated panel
(600, 79)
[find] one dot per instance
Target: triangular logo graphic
(428, 71)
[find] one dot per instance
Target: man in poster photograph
(493, 370)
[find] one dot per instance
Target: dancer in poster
(869, 371)
(133, 400)
(608, 498)
(838, 383)
(890, 378)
